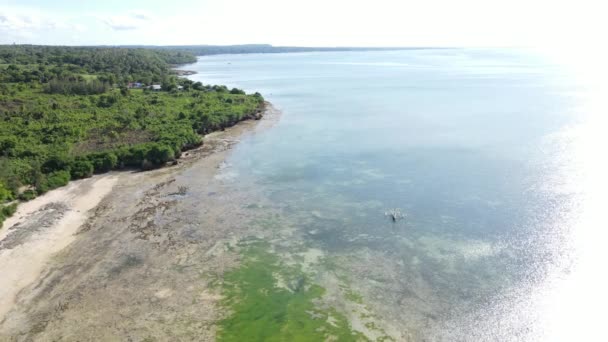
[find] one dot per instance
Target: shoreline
(177, 69)
(255, 116)
(180, 72)
(42, 228)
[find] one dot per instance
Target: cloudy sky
(304, 23)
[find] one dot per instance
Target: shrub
(106, 101)
(160, 154)
(168, 86)
(55, 162)
(7, 211)
(7, 146)
(220, 88)
(42, 186)
(237, 91)
(5, 194)
(133, 156)
(27, 195)
(81, 168)
(57, 179)
(103, 162)
(258, 97)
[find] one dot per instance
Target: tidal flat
(186, 253)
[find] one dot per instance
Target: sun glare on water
(569, 303)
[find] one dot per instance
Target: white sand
(21, 265)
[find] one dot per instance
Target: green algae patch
(270, 301)
(353, 296)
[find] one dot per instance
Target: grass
(262, 311)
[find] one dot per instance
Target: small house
(156, 87)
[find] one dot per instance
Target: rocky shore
(179, 72)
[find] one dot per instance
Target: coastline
(180, 72)
(35, 240)
(154, 259)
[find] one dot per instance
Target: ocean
(483, 151)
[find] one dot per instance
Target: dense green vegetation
(57, 125)
(6, 210)
(29, 63)
(263, 310)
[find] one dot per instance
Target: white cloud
(131, 21)
(13, 21)
(28, 25)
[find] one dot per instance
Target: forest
(31, 63)
(67, 113)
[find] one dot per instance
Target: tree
(103, 162)
(220, 89)
(237, 91)
(7, 146)
(55, 162)
(198, 86)
(169, 85)
(160, 154)
(5, 194)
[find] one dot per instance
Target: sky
(471, 23)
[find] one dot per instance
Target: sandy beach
(42, 227)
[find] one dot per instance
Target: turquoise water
(467, 143)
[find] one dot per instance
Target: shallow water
(482, 150)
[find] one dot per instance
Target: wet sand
(127, 255)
